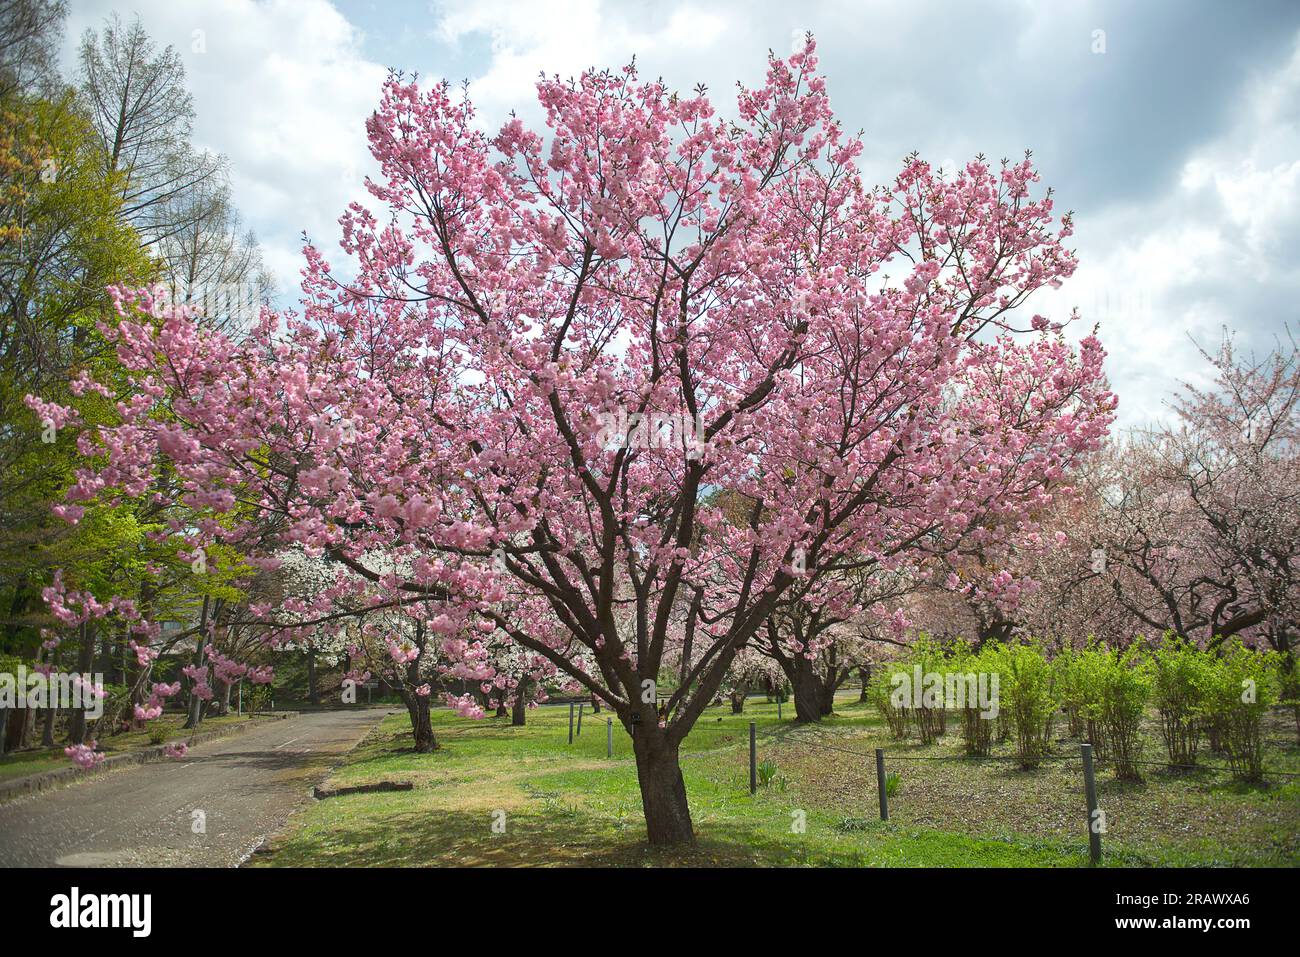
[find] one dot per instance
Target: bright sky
(1170, 128)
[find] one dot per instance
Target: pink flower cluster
(85, 755)
(465, 706)
(153, 708)
(198, 675)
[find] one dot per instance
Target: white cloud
(566, 37)
(283, 89)
(1215, 251)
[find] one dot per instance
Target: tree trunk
(663, 792)
(502, 708)
(827, 698)
(595, 703)
(417, 706)
(313, 690)
(47, 734)
(196, 703)
(738, 702)
(519, 712)
(4, 729)
(806, 689)
(85, 663)
(865, 674)
(21, 725)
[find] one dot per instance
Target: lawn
(565, 805)
(38, 760)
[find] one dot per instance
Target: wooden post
(570, 722)
(753, 759)
(609, 738)
(778, 709)
(580, 709)
(880, 784)
(1096, 817)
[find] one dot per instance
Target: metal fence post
(609, 737)
(753, 759)
(580, 708)
(1096, 817)
(880, 784)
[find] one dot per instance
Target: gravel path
(245, 787)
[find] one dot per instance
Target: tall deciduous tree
(30, 31)
(847, 360)
(175, 196)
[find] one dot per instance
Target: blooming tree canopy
(554, 345)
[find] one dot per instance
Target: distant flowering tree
(818, 638)
(849, 362)
(1200, 518)
(520, 678)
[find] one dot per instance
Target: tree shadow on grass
(555, 837)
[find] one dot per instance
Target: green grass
(566, 805)
(39, 760)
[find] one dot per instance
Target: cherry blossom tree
(549, 349)
(1045, 588)
(820, 637)
(1201, 531)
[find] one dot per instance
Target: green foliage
(1183, 674)
(1026, 697)
(976, 729)
(893, 782)
(1069, 689)
(1079, 682)
(1125, 685)
(880, 695)
(62, 241)
(257, 698)
(931, 657)
(1242, 685)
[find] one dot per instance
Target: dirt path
(239, 789)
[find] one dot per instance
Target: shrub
(1290, 690)
(976, 730)
(1125, 688)
(1083, 673)
(1242, 684)
(257, 698)
(117, 709)
(929, 656)
(1027, 698)
(879, 692)
(1181, 682)
(1069, 689)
